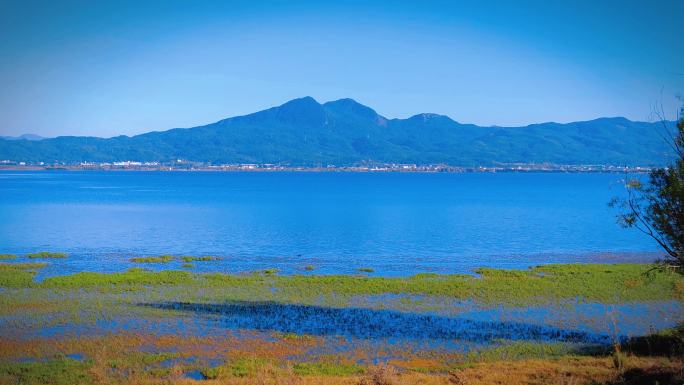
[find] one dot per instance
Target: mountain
(303, 132)
(24, 136)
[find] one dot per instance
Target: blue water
(395, 223)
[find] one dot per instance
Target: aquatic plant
(199, 259)
(46, 254)
(18, 274)
(137, 279)
(22, 266)
(8, 256)
(365, 270)
(158, 259)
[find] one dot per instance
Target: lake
(393, 223)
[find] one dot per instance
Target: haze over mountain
(23, 136)
(303, 132)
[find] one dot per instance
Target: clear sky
(126, 67)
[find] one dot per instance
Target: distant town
(185, 165)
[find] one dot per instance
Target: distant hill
(303, 132)
(23, 137)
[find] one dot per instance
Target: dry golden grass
(275, 368)
(228, 346)
(566, 371)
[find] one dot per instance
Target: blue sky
(109, 68)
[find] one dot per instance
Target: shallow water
(456, 326)
(395, 223)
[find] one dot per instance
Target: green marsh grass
(521, 350)
(327, 369)
(158, 259)
(46, 255)
(84, 297)
(8, 256)
(61, 371)
(538, 285)
(189, 259)
(18, 274)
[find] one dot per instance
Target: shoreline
(428, 169)
(213, 263)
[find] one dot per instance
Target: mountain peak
(350, 106)
(344, 102)
(429, 117)
(304, 110)
(303, 101)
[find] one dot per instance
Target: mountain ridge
(343, 132)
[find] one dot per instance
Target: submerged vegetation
(46, 255)
(169, 258)
(199, 259)
(159, 259)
